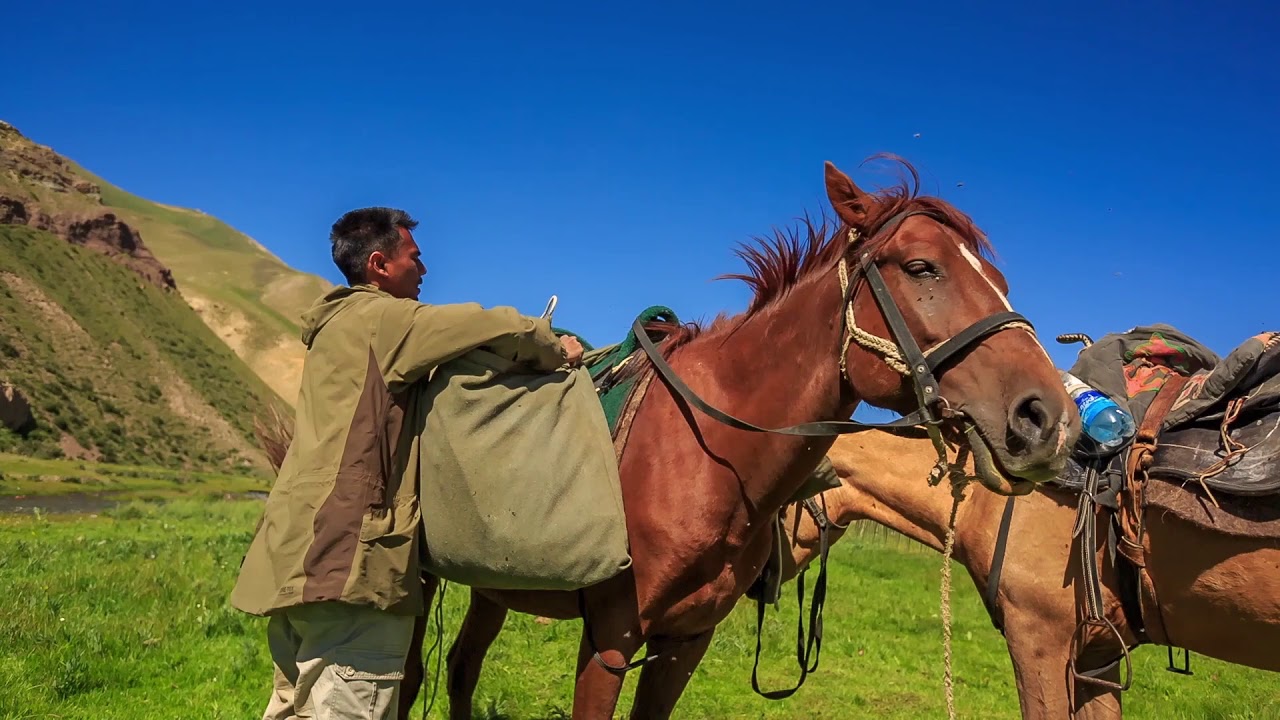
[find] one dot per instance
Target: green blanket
(604, 362)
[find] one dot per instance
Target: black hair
(361, 232)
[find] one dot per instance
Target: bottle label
(1091, 403)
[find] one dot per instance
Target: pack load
(519, 482)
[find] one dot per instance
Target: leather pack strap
(1144, 442)
(1160, 407)
(990, 598)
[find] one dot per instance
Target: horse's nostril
(1035, 415)
(1029, 424)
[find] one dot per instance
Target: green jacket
(342, 520)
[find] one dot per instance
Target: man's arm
(414, 338)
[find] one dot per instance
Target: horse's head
(922, 258)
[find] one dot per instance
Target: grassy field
(36, 477)
(124, 615)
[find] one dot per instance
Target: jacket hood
(327, 306)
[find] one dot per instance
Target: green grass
(124, 616)
(35, 477)
(104, 378)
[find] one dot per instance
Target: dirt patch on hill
(279, 365)
(186, 403)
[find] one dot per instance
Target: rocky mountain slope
(101, 359)
(248, 297)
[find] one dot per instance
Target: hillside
(116, 368)
(246, 295)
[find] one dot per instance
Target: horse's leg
(1093, 702)
(1040, 650)
(1040, 647)
(1038, 676)
(611, 625)
(663, 679)
(412, 682)
(479, 629)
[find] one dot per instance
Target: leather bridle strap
(825, 428)
(974, 332)
(922, 365)
(926, 385)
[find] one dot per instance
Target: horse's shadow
(492, 712)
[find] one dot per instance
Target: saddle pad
(1245, 517)
(1251, 374)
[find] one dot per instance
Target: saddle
(1207, 449)
(1205, 423)
(618, 385)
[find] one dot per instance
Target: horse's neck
(885, 480)
(776, 368)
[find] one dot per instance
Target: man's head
(376, 246)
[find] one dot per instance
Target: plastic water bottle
(1103, 420)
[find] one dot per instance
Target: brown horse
(699, 494)
(700, 491)
(1221, 598)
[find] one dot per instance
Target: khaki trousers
(335, 661)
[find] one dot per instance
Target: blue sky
(1122, 156)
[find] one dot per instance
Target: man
(335, 560)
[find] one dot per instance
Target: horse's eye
(920, 268)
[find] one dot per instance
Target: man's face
(399, 274)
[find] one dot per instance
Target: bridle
(902, 353)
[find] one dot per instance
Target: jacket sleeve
(414, 338)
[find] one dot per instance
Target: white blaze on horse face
(977, 265)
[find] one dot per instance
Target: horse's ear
(848, 200)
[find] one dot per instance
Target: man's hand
(572, 350)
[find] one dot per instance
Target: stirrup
(1091, 676)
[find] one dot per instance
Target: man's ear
(376, 265)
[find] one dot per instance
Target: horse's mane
(782, 260)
